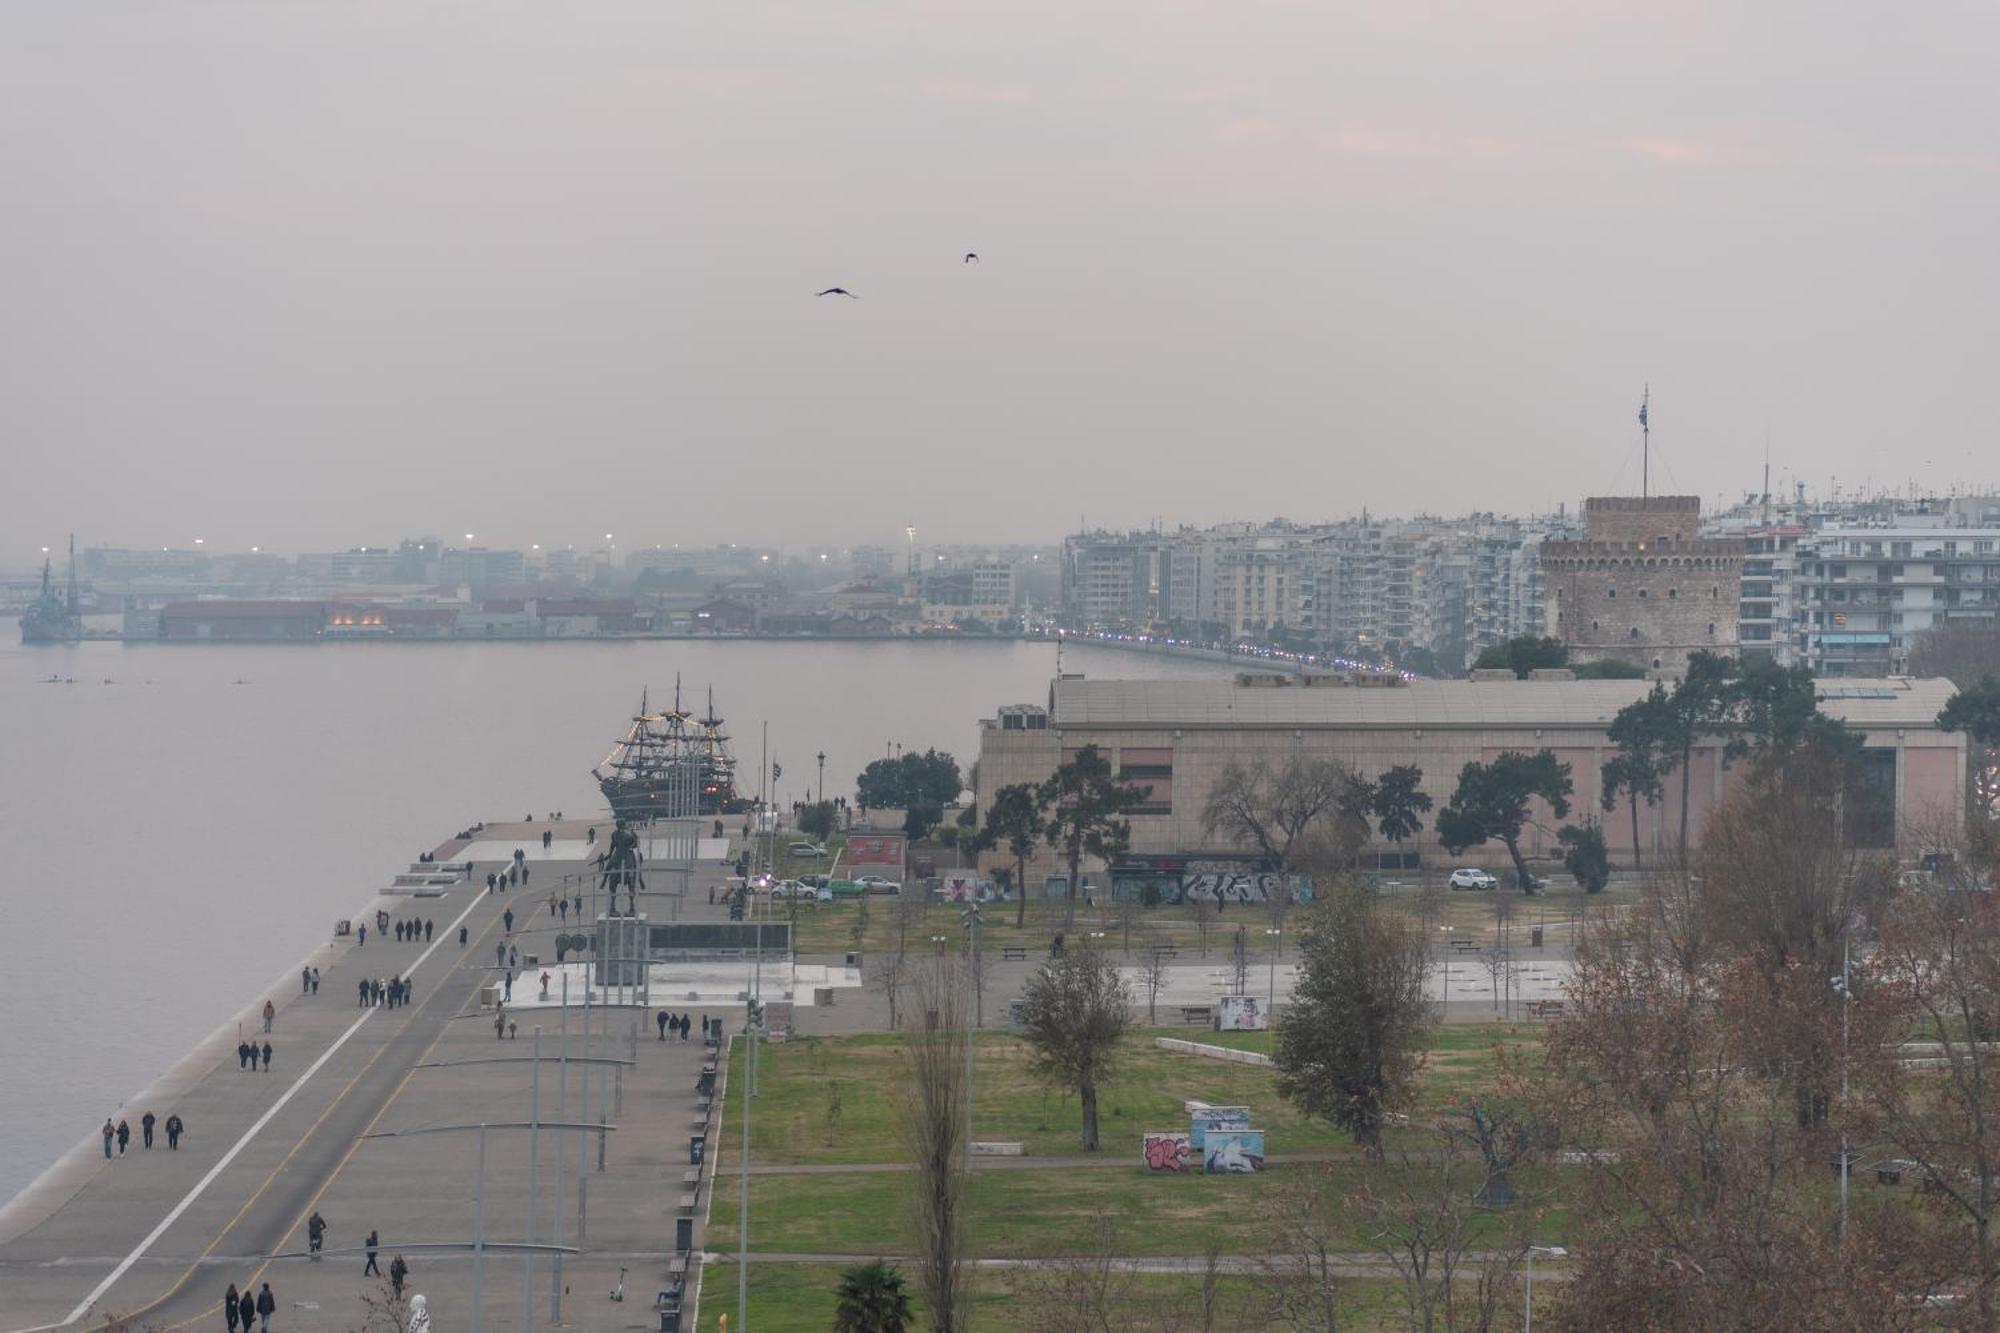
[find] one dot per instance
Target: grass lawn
(799, 1298)
(1020, 1213)
(830, 1099)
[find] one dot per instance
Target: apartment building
(1863, 593)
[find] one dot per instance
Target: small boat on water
(670, 764)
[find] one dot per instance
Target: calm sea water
(175, 840)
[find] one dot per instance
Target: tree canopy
(1073, 1013)
(1087, 804)
(1014, 823)
(1522, 655)
(1491, 803)
(1269, 809)
(931, 778)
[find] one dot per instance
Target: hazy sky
(309, 274)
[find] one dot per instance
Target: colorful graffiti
(1220, 1119)
(1237, 1151)
(1166, 1152)
(1226, 882)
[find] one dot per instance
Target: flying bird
(971, 258)
(838, 291)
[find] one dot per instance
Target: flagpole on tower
(1645, 444)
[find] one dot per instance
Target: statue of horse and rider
(620, 869)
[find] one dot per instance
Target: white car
(876, 884)
(791, 888)
(807, 851)
(1471, 878)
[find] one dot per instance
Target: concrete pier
(156, 1236)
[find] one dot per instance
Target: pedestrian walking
(663, 1018)
(230, 1307)
(253, 1057)
(267, 1057)
(174, 1131)
(578, 905)
(399, 1272)
(513, 956)
(491, 880)
(246, 1310)
(548, 836)
(509, 996)
(270, 1012)
(362, 935)
(242, 1055)
(315, 1234)
(109, 1134)
(500, 954)
(124, 1136)
(371, 1243)
(552, 904)
(684, 1027)
(513, 1030)
(507, 920)
(429, 926)
(146, 1123)
(562, 910)
(399, 932)
(499, 1030)
(362, 987)
(315, 989)
(267, 1305)
(461, 937)
(305, 980)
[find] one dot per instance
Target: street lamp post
(822, 778)
(1528, 1311)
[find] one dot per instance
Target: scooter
(618, 1292)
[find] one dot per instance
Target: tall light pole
(971, 1011)
(1277, 945)
(822, 778)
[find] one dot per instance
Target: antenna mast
(1645, 444)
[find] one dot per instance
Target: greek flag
(1642, 414)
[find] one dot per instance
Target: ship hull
(641, 801)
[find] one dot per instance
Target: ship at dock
(54, 617)
(670, 764)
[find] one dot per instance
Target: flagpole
(1645, 444)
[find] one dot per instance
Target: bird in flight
(838, 291)
(971, 258)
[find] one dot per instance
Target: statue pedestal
(620, 956)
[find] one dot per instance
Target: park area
(830, 1184)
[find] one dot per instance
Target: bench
(1014, 954)
(677, 1266)
(1465, 946)
(1545, 1008)
(687, 1204)
(1201, 1014)
(1165, 951)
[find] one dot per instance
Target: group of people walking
(120, 1134)
(394, 992)
(248, 1053)
(413, 930)
(669, 1021)
(246, 1311)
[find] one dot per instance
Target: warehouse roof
(1899, 701)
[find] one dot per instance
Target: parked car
(807, 850)
(1470, 877)
(791, 888)
(876, 884)
(814, 881)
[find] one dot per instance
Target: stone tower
(1644, 587)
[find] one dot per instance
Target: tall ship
(54, 617)
(670, 764)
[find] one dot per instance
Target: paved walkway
(157, 1235)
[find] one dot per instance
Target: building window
(1635, 631)
(1711, 629)
(1673, 593)
(1656, 664)
(1612, 593)
(1642, 594)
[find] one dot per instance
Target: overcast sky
(311, 274)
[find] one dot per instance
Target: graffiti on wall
(1237, 1151)
(1226, 882)
(1167, 1152)
(1218, 1119)
(1241, 1013)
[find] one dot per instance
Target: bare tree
(1424, 1215)
(1074, 1012)
(1298, 1279)
(1152, 977)
(1268, 809)
(1087, 1290)
(931, 1114)
(885, 973)
(1239, 963)
(1202, 911)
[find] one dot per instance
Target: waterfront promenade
(156, 1236)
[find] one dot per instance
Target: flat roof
(1464, 704)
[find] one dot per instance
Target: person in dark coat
(231, 1308)
(242, 1055)
(267, 1057)
(491, 880)
(174, 1131)
(315, 989)
(246, 1310)
(253, 1057)
(362, 936)
(507, 920)
(461, 937)
(315, 1234)
(364, 993)
(429, 926)
(305, 980)
(399, 1272)
(684, 1027)
(371, 1243)
(663, 1018)
(267, 1305)
(124, 1136)
(109, 1134)
(146, 1123)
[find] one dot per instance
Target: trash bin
(853, 959)
(1535, 936)
(683, 1234)
(670, 1319)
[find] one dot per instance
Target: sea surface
(183, 824)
